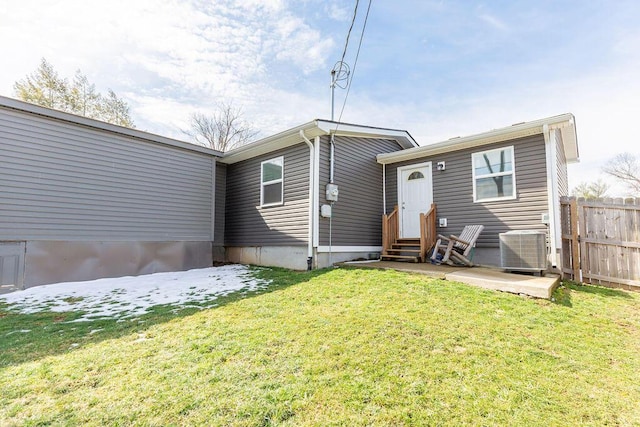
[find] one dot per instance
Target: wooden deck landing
(483, 277)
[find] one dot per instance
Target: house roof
(565, 123)
(14, 104)
(312, 129)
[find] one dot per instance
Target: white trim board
(564, 122)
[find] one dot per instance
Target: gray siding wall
(561, 163)
(453, 191)
(248, 224)
(63, 181)
(220, 201)
(357, 215)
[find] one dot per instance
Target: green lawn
(341, 347)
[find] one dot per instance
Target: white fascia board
(570, 141)
(345, 129)
(26, 107)
(312, 129)
(271, 143)
(564, 121)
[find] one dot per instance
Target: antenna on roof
(339, 77)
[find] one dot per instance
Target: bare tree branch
(223, 130)
(625, 167)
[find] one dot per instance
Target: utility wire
(355, 62)
(353, 20)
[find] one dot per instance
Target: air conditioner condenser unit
(524, 250)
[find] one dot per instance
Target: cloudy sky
(438, 69)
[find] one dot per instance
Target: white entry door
(415, 196)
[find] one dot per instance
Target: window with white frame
(493, 175)
(272, 182)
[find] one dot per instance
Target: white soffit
(564, 122)
(271, 143)
(345, 129)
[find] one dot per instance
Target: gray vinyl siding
(453, 191)
(561, 164)
(357, 215)
(220, 202)
(64, 181)
(249, 224)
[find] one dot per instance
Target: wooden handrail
(390, 230)
(427, 231)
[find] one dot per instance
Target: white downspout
(311, 199)
(384, 189)
(552, 193)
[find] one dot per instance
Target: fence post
(575, 253)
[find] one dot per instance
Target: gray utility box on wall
(523, 250)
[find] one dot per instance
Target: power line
(353, 20)
(355, 62)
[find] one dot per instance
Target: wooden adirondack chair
(457, 249)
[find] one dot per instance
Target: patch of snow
(127, 297)
(20, 331)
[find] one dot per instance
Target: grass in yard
(335, 347)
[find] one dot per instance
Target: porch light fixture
(440, 166)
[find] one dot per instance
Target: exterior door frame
(12, 257)
(429, 182)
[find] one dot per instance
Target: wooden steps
(403, 250)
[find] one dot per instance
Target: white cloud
(493, 21)
(169, 58)
(186, 54)
(337, 13)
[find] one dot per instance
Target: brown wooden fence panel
(609, 234)
(569, 230)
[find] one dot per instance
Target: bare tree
(625, 167)
(591, 190)
(223, 130)
(498, 180)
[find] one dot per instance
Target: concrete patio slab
(483, 277)
(539, 287)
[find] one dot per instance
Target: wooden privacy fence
(601, 241)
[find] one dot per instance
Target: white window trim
(273, 181)
(491, 175)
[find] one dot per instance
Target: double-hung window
(493, 175)
(272, 182)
